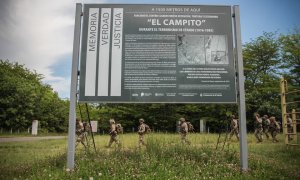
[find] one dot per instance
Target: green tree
(23, 98)
(261, 63)
(290, 49)
(261, 59)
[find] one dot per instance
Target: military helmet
(182, 119)
(141, 120)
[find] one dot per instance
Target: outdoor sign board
(94, 125)
(157, 53)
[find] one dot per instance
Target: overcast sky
(39, 33)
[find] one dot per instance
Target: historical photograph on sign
(216, 49)
(190, 49)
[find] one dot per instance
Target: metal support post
(89, 119)
(73, 97)
(283, 110)
(241, 90)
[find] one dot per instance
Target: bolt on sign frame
(157, 54)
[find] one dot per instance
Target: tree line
(24, 97)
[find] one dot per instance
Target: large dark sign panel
(157, 53)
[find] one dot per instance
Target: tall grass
(19, 158)
(163, 157)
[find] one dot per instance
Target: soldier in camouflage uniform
(79, 132)
(141, 132)
(184, 131)
(266, 125)
(79, 126)
(274, 128)
(234, 126)
(113, 133)
(258, 128)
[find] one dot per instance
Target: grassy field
(164, 157)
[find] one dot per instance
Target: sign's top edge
(215, 5)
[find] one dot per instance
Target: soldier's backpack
(234, 123)
(277, 126)
(86, 127)
(147, 129)
(190, 127)
(258, 123)
(267, 122)
(119, 128)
